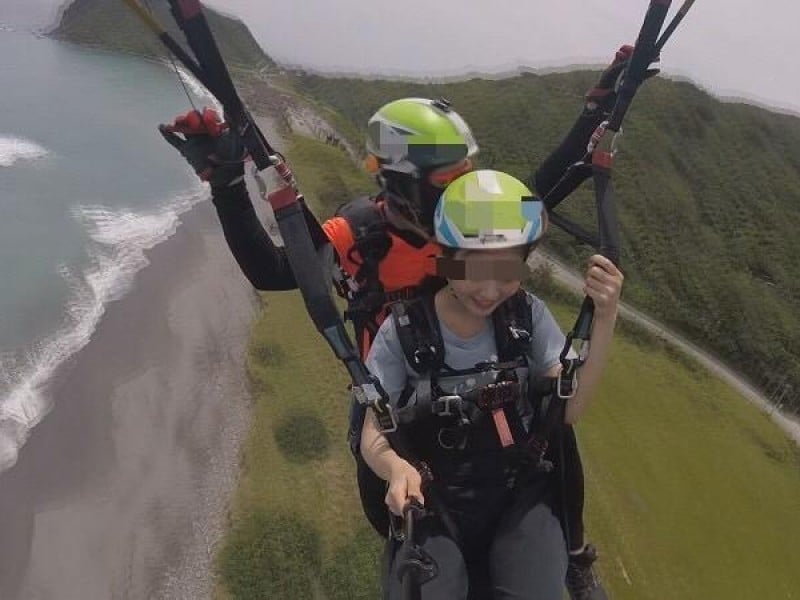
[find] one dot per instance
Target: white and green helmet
(413, 135)
(488, 210)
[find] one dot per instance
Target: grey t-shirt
(386, 361)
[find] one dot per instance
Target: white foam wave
(119, 241)
(13, 149)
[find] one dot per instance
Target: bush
(270, 557)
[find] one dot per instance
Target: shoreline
(124, 488)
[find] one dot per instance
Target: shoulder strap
(513, 327)
(420, 337)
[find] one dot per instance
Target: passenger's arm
(387, 362)
(603, 286)
(405, 482)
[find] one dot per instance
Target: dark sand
(122, 490)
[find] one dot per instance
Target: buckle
(519, 334)
(567, 382)
(368, 395)
(445, 401)
(602, 141)
(422, 356)
(387, 420)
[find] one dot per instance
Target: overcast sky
(734, 47)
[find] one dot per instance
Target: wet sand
(122, 490)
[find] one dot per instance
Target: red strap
(604, 160)
(282, 197)
(503, 430)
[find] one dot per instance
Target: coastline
(122, 491)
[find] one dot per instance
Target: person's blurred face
(481, 280)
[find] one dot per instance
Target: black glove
(216, 153)
(603, 95)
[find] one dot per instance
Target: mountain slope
(708, 196)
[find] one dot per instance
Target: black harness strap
(513, 327)
(421, 339)
(419, 334)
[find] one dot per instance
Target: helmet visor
(442, 176)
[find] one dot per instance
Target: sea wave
(119, 241)
(13, 149)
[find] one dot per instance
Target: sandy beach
(122, 490)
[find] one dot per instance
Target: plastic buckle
(520, 334)
(387, 421)
(446, 401)
(424, 355)
(567, 383)
(365, 394)
(368, 395)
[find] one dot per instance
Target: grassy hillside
(111, 24)
(708, 196)
(691, 492)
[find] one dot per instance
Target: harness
(373, 238)
(490, 416)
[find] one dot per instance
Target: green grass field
(691, 491)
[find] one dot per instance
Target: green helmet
(413, 135)
(488, 210)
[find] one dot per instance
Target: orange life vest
(378, 263)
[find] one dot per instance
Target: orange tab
(503, 430)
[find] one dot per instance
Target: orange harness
(378, 265)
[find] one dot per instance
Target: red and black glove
(216, 153)
(603, 94)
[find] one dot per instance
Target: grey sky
(733, 47)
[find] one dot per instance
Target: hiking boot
(582, 581)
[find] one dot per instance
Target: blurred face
(481, 280)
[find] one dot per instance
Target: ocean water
(87, 184)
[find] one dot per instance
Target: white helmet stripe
(488, 183)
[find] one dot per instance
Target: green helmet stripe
(411, 129)
(488, 209)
